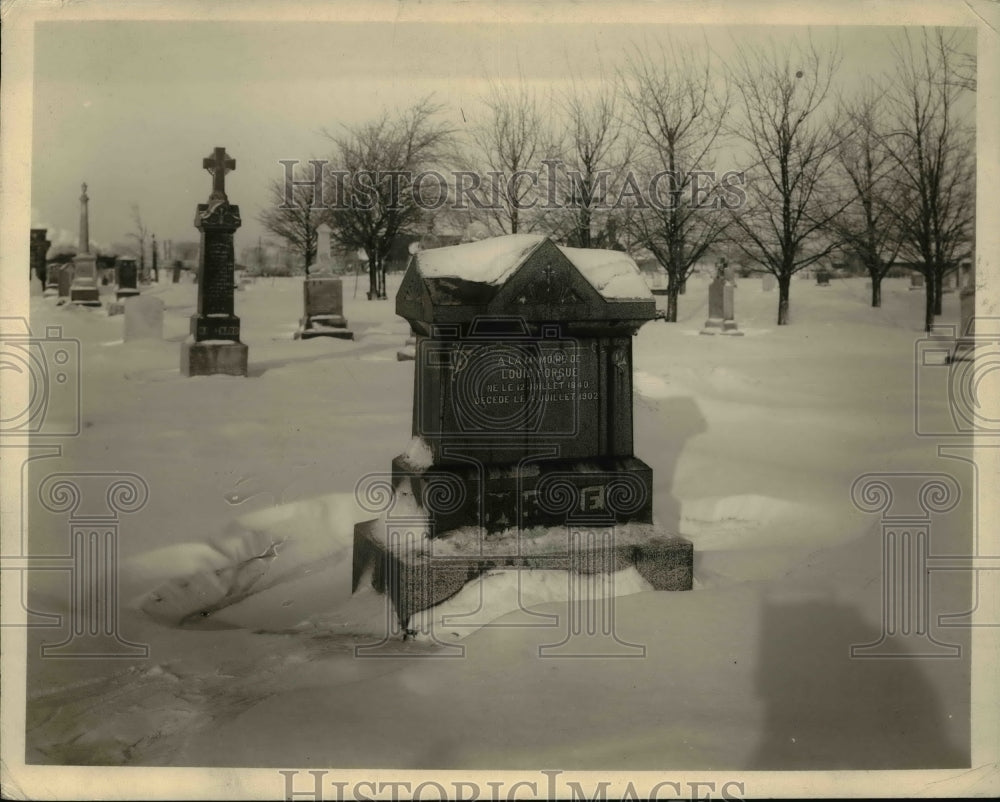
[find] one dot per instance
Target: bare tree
(785, 224)
(588, 162)
(376, 181)
(934, 149)
(139, 234)
(509, 137)
(867, 227)
(676, 110)
(294, 215)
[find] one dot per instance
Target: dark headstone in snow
(127, 274)
(214, 346)
(522, 418)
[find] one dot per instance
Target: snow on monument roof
(489, 261)
(613, 274)
(492, 261)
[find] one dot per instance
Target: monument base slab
(720, 326)
(211, 357)
(85, 296)
(324, 326)
(122, 294)
(418, 575)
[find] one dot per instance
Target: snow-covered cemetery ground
(754, 441)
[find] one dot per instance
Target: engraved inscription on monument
(215, 329)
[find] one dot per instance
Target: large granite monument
(214, 345)
(522, 425)
(323, 296)
(84, 290)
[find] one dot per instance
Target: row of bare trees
(774, 158)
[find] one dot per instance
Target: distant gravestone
(323, 299)
(657, 281)
(176, 273)
(64, 276)
(39, 247)
(721, 309)
(965, 345)
(52, 280)
(143, 318)
(768, 282)
(916, 280)
(522, 420)
(84, 290)
(950, 282)
(823, 278)
(323, 296)
(214, 346)
(127, 274)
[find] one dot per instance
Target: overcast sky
(133, 107)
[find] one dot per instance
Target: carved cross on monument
(218, 164)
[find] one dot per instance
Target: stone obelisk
(83, 291)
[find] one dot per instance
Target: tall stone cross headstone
(214, 345)
(39, 248)
(84, 290)
(522, 425)
(323, 296)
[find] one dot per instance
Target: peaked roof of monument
(492, 261)
(523, 274)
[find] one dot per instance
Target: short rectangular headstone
(916, 280)
(323, 300)
(768, 282)
(64, 278)
(823, 278)
(143, 318)
(721, 309)
(126, 277)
